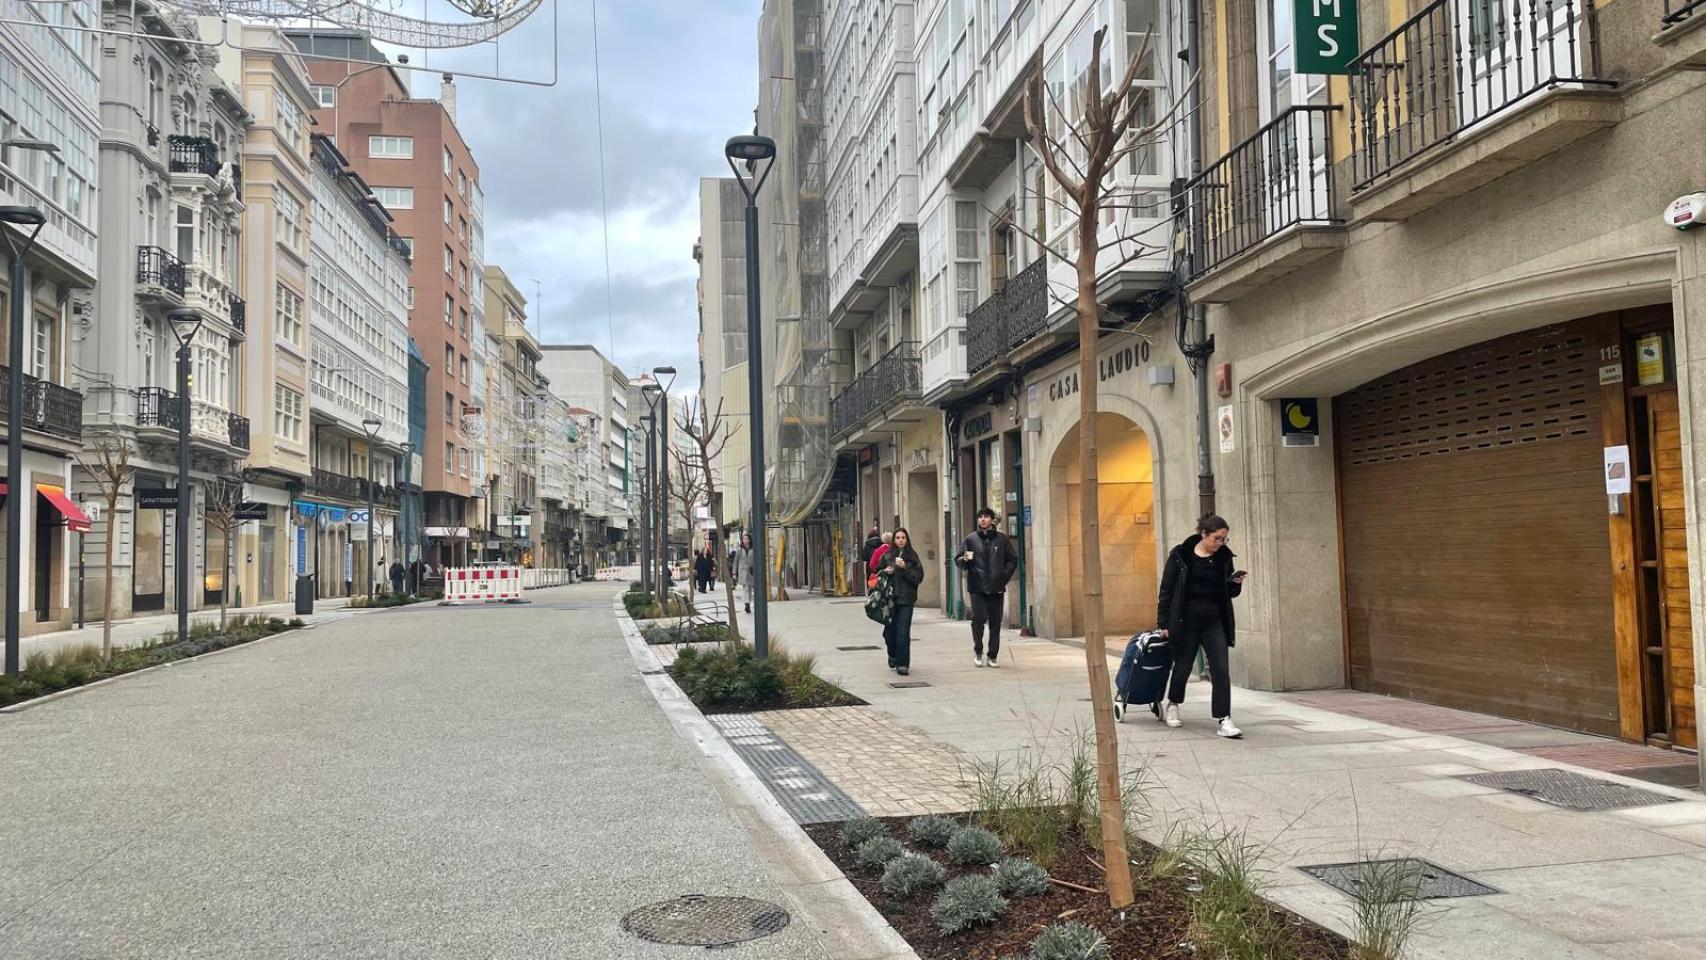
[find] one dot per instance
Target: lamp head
(30, 143)
(185, 321)
(371, 425)
(749, 148)
(24, 216)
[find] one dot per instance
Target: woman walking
(906, 572)
(744, 570)
(1195, 612)
(704, 569)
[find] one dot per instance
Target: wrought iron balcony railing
(1011, 316)
(1457, 63)
(192, 155)
(48, 407)
(157, 267)
(239, 313)
(1278, 178)
(1676, 11)
(1026, 304)
(158, 407)
(237, 430)
(896, 378)
(327, 483)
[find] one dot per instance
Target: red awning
(75, 521)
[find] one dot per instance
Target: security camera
(1686, 212)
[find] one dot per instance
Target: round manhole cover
(701, 921)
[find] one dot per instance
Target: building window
(449, 359)
(186, 234)
(462, 318)
(449, 406)
(325, 96)
(462, 228)
(289, 315)
(401, 148)
(395, 198)
(449, 212)
(464, 363)
(289, 122)
(408, 246)
(462, 276)
(287, 413)
(156, 94)
(289, 218)
(41, 349)
(449, 261)
(449, 311)
(449, 450)
(448, 164)
(462, 184)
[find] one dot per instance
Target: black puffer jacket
(1172, 609)
(992, 564)
(904, 580)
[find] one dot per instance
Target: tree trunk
(107, 587)
(225, 579)
(1118, 861)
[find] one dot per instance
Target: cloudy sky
(679, 78)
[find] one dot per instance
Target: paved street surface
(421, 783)
(1316, 785)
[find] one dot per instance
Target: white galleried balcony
(944, 359)
(62, 235)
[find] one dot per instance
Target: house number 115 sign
(1326, 35)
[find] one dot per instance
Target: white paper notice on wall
(1227, 443)
(1617, 479)
(1610, 373)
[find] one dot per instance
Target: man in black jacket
(872, 541)
(988, 559)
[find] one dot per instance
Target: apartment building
(172, 139)
(48, 92)
(589, 382)
(721, 255)
(516, 413)
(409, 151)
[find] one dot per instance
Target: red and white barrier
(481, 584)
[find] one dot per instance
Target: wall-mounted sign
(156, 498)
(1300, 422)
(1617, 478)
(301, 551)
(867, 455)
(1110, 365)
(1650, 359)
(250, 510)
(1325, 36)
(1610, 373)
(1224, 420)
(979, 425)
(1027, 514)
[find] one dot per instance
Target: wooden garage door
(1474, 526)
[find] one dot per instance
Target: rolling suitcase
(1143, 672)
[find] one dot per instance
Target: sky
(679, 78)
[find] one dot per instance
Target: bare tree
(224, 502)
(1082, 144)
(706, 430)
(108, 464)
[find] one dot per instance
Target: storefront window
(148, 588)
(213, 563)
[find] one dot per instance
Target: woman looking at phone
(906, 572)
(1195, 612)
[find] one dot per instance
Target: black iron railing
(239, 313)
(48, 407)
(1677, 11)
(1027, 303)
(158, 407)
(1012, 315)
(192, 155)
(1279, 177)
(153, 136)
(896, 378)
(237, 430)
(1455, 64)
(330, 484)
(157, 267)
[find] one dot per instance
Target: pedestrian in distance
(906, 572)
(703, 570)
(988, 559)
(875, 564)
(1194, 612)
(397, 574)
(873, 540)
(745, 568)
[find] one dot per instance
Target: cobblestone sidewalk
(889, 769)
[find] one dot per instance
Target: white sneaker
(1228, 729)
(978, 660)
(1170, 715)
(992, 664)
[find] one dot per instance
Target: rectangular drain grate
(1568, 789)
(908, 684)
(1433, 882)
(801, 789)
(866, 647)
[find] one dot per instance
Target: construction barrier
(532, 578)
(481, 584)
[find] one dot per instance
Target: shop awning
(75, 520)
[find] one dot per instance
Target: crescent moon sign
(1294, 413)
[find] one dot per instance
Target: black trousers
(987, 608)
(897, 634)
(1210, 637)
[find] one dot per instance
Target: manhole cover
(700, 921)
(905, 684)
(1433, 882)
(1568, 789)
(867, 647)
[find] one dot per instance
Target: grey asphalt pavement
(429, 782)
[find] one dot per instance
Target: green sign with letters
(1325, 38)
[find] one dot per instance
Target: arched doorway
(1126, 489)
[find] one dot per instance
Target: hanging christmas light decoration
(491, 18)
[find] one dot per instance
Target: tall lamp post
(186, 323)
(663, 474)
(404, 515)
(648, 502)
(370, 426)
(17, 249)
(758, 154)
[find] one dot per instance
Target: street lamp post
(23, 217)
(756, 152)
(370, 426)
(185, 323)
(663, 457)
(648, 493)
(405, 516)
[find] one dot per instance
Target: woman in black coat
(704, 569)
(1195, 611)
(906, 572)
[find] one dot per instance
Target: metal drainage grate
(908, 684)
(696, 920)
(801, 789)
(867, 647)
(1433, 882)
(1568, 789)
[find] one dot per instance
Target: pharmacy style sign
(1326, 36)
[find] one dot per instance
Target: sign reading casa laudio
(1325, 36)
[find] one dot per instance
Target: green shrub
(911, 874)
(875, 853)
(734, 677)
(857, 831)
(1018, 877)
(1069, 941)
(932, 832)
(1229, 914)
(1387, 908)
(974, 847)
(966, 902)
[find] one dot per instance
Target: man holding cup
(988, 559)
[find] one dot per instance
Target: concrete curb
(819, 894)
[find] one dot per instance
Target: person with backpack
(1194, 612)
(905, 572)
(988, 559)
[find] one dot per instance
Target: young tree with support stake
(1082, 144)
(108, 465)
(705, 430)
(224, 503)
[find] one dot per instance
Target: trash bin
(304, 594)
